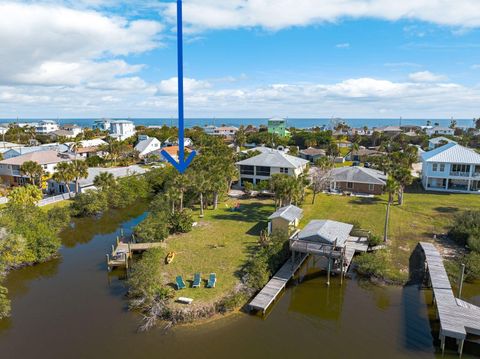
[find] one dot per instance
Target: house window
(283, 170)
(350, 185)
(263, 171)
(247, 170)
(371, 187)
(460, 168)
(434, 167)
(442, 167)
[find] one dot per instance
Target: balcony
(459, 174)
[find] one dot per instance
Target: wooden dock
(123, 251)
(274, 287)
(457, 318)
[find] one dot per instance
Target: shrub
(373, 264)
(4, 303)
(466, 229)
(145, 279)
(181, 221)
(248, 186)
(153, 229)
(59, 217)
(95, 161)
(472, 266)
(256, 273)
(89, 203)
(374, 240)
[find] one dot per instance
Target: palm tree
(32, 170)
(403, 176)
(104, 180)
(79, 170)
(63, 174)
(76, 145)
(391, 188)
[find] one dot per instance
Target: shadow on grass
(365, 200)
(446, 209)
(248, 212)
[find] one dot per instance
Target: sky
(243, 58)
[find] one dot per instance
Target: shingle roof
(143, 145)
(274, 158)
(326, 231)
(313, 152)
(358, 175)
(289, 213)
(41, 157)
(452, 153)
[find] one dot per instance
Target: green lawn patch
(422, 215)
(221, 243)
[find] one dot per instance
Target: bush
(146, 280)
(181, 221)
(374, 240)
(4, 303)
(153, 229)
(248, 186)
(95, 161)
(256, 273)
(466, 229)
(59, 217)
(472, 266)
(89, 203)
(373, 264)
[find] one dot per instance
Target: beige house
(285, 219)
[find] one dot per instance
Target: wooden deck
(457, 317)
(275, 286)
(121, 254)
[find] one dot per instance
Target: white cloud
(53, 45)
(344, 45)
(279, 14)
(426, 76)
(170, 86)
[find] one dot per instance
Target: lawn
(60, 204)
(220, 243)
(422, 215)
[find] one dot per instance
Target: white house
(187, 142)
(46, 126)
(451, 168)
(438, 142)
(88, 148)
(122, 129)
(10, 168)
(147, 145)
(220, 131)
(440, 131)
(19, 151)
(263, 166)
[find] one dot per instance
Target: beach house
(451, 168)
(278, 126)
(122, 129)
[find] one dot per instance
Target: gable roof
(41, 157)
(358, 175)
(452, 153)
(289, 213)
(311, 151)
(143, 145)
(274, 158)
(326, 231)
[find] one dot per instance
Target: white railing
(459, 174)
(54, 199)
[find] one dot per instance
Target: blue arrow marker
(182, 163)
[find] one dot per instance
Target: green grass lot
(221, 243)
(60, 204)
(422, 215)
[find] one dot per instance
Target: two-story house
(451, 168)
(122, 129)
(46, 126)
(263, 166)
(438, 131)
(11, 174)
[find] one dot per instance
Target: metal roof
(274, 158)
(452, 153)
(326, 231)
(437, 140)
(289, 213)
(143, 145)
(358, 175)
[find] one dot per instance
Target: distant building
(438, 142)
(122, 129)
(46, 126)
(262, 167)
(440, 131)
(10, 168)
(88, 148)
(357, 180)
(312, 154)
(362, 154)
(67, 131)
(102, 125)
(147, 145)
(451, 168)
(278, 126)
(187, 142)
(19, 151)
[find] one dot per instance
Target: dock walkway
(124, 251)
(278, 282)
(457, 317)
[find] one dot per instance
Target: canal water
(72, 308)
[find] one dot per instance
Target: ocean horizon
(291, 122)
